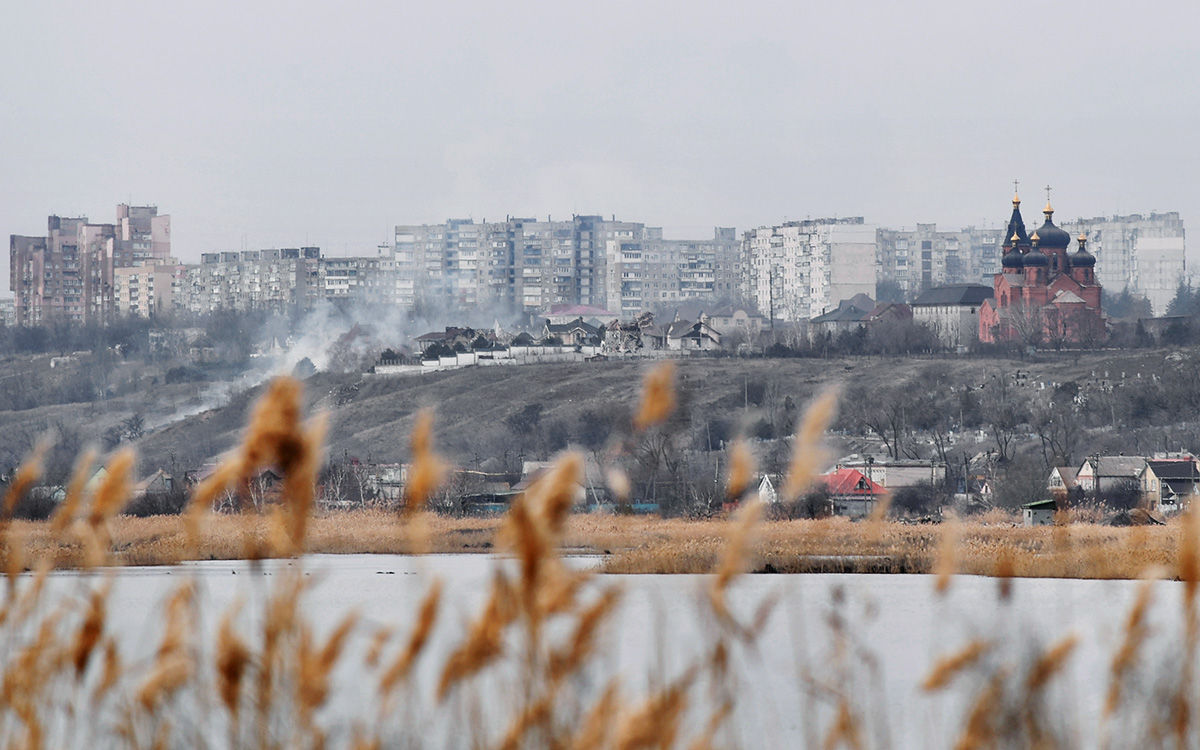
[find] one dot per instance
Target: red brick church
(1044, 294)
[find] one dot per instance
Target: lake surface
(893, 626)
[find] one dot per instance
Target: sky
(258, 124)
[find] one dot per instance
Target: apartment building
(282, 280)
(62, 275)
(69, 273)
(1143, 253)
(801, 269)
(923, 257)
(142, 236)
(147, 290)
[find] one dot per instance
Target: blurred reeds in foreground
(268, 683)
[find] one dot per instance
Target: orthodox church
(1044, 294)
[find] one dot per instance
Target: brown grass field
(635, 544)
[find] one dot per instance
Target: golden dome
(1048, 209)
(1016, 199)
(1034, 237)
(1014, 239)
(1082, 238)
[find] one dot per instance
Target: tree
(133, 427)
(1004, 411)
(1126, 305)
(887, 290)
(1058, 423)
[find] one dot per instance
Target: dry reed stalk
(111, 671)
(533, 529)
(741, 469)
(735, 557)
(618, 483)
(300, 483)
(807, 453)
(166, 677)
(705, 740)
(275, 437)
(655, 723)
(426, 617)
(658, 396)
(484, 641)
(378, 642)
(427, 468)
(233, 656)
(280, 620)
(567, 661)
(110, 497)
(980, 730)
(946, 563)
(91, 629)
(946, 668)
(845, 729)
(69, 508)
(1050, 663)
(1189, 554)
(1135, 634)
(535, 715)
(316, 666)
(1006, 562)
(597, 725)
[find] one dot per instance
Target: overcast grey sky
(278, 124)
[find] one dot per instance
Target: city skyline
(301, 125)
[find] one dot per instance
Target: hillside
(371, 416)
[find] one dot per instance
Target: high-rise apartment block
(530, 264)
(69, 273)
(801, 269)
(921, 258)
(1143, 253)
(282, 280)
(147, 290)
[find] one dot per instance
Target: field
(638, 544)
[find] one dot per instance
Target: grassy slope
(372, 416)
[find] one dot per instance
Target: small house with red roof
(852, 493)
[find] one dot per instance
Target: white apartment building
(924, 257)
(278, 279)
(802, 269)
(146, 290)
(1143, 253)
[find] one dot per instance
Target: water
(893, 626)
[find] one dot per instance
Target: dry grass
(635, 544)
(842, 546)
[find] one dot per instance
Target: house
(1062, 482)
(572, 333)
(897, 473)
(1167, 484)
(1039, 513)
(698, 336)
(597, 316)
(728, 318)
(766, 490)
(952, 313)
(1111, 474)
(847, 317)
(852, 493)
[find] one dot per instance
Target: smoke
(341, 339)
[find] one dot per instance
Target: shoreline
(640, 544)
